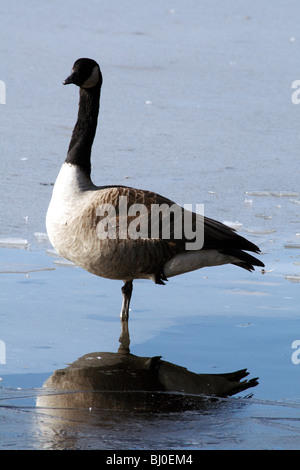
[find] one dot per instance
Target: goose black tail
(244, 260)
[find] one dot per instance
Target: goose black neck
(79, 152)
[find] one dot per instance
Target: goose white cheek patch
(93, 79)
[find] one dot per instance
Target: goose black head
(85, 73)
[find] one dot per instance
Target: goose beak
(71, 79)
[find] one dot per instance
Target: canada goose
(73, 216)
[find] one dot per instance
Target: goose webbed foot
(126, 291)
(160, 278)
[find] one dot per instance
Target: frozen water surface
(196, 104)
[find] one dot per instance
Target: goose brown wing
(169, 239)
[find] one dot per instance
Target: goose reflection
(124, 381)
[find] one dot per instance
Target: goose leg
(124, 339)
(126, 291)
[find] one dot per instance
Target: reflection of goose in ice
(123, 381)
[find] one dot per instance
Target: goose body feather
(72, 227)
